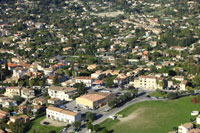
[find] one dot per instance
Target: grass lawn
(156, 94)
(42, 128)
(153, 116)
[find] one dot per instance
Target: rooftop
(62, 111)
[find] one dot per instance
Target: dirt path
(132, 116)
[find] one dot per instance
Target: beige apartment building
(148, 82)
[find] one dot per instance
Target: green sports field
(153, 116)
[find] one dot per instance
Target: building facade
(62, 93)
(59, 114)
(149, 82)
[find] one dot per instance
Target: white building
(183, 85)
(97, 75)
(85, 80)
(184, 128)
(198, 120)
(19, 72)
(62, 115)
(62, 93)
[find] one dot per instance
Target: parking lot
(49, 122)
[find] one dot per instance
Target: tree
(89, 125)
(3, 124)
(172, 95)
(17, 127)
(104, 131)
(196, 80)
(109, 82)
(31, 82)
(21, 83)
(18, 99)
(80, 88)
(96, 128)
(77, 125)
(41, 83)
(172, 73)
(90, 116)
(55, 80)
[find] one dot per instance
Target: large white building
(62, 93)
(148, 82)
(62, 115)
(85, 80)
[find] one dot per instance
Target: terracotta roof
(12, 65)
(3, 112)
(24, 65)
(187, 125)
(2, 116)
(51, 77)
(194, 131)
(62, 111)
(98, 82)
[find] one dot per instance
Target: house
(97, 75)
(183, 85)
(3, 114)
(198, 120)
(50, 80)
(184, 128)
(2, 99)
(11, 66)
(9, 103)
(48, 71)
(19, 72)
(62, 115)
(39, 101)
(85, 80)
(12, 91)
(194, 131)
(1, 131)
(68, 83)
(178, 78)
(98, 82)
(62, 93)
(91, 67)
(121, 79)
(27, 93)
(178, 48)
(148, 82)
(54, 101)
(93, 100)
(37, 108)
(23, 118)
(22, 109)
